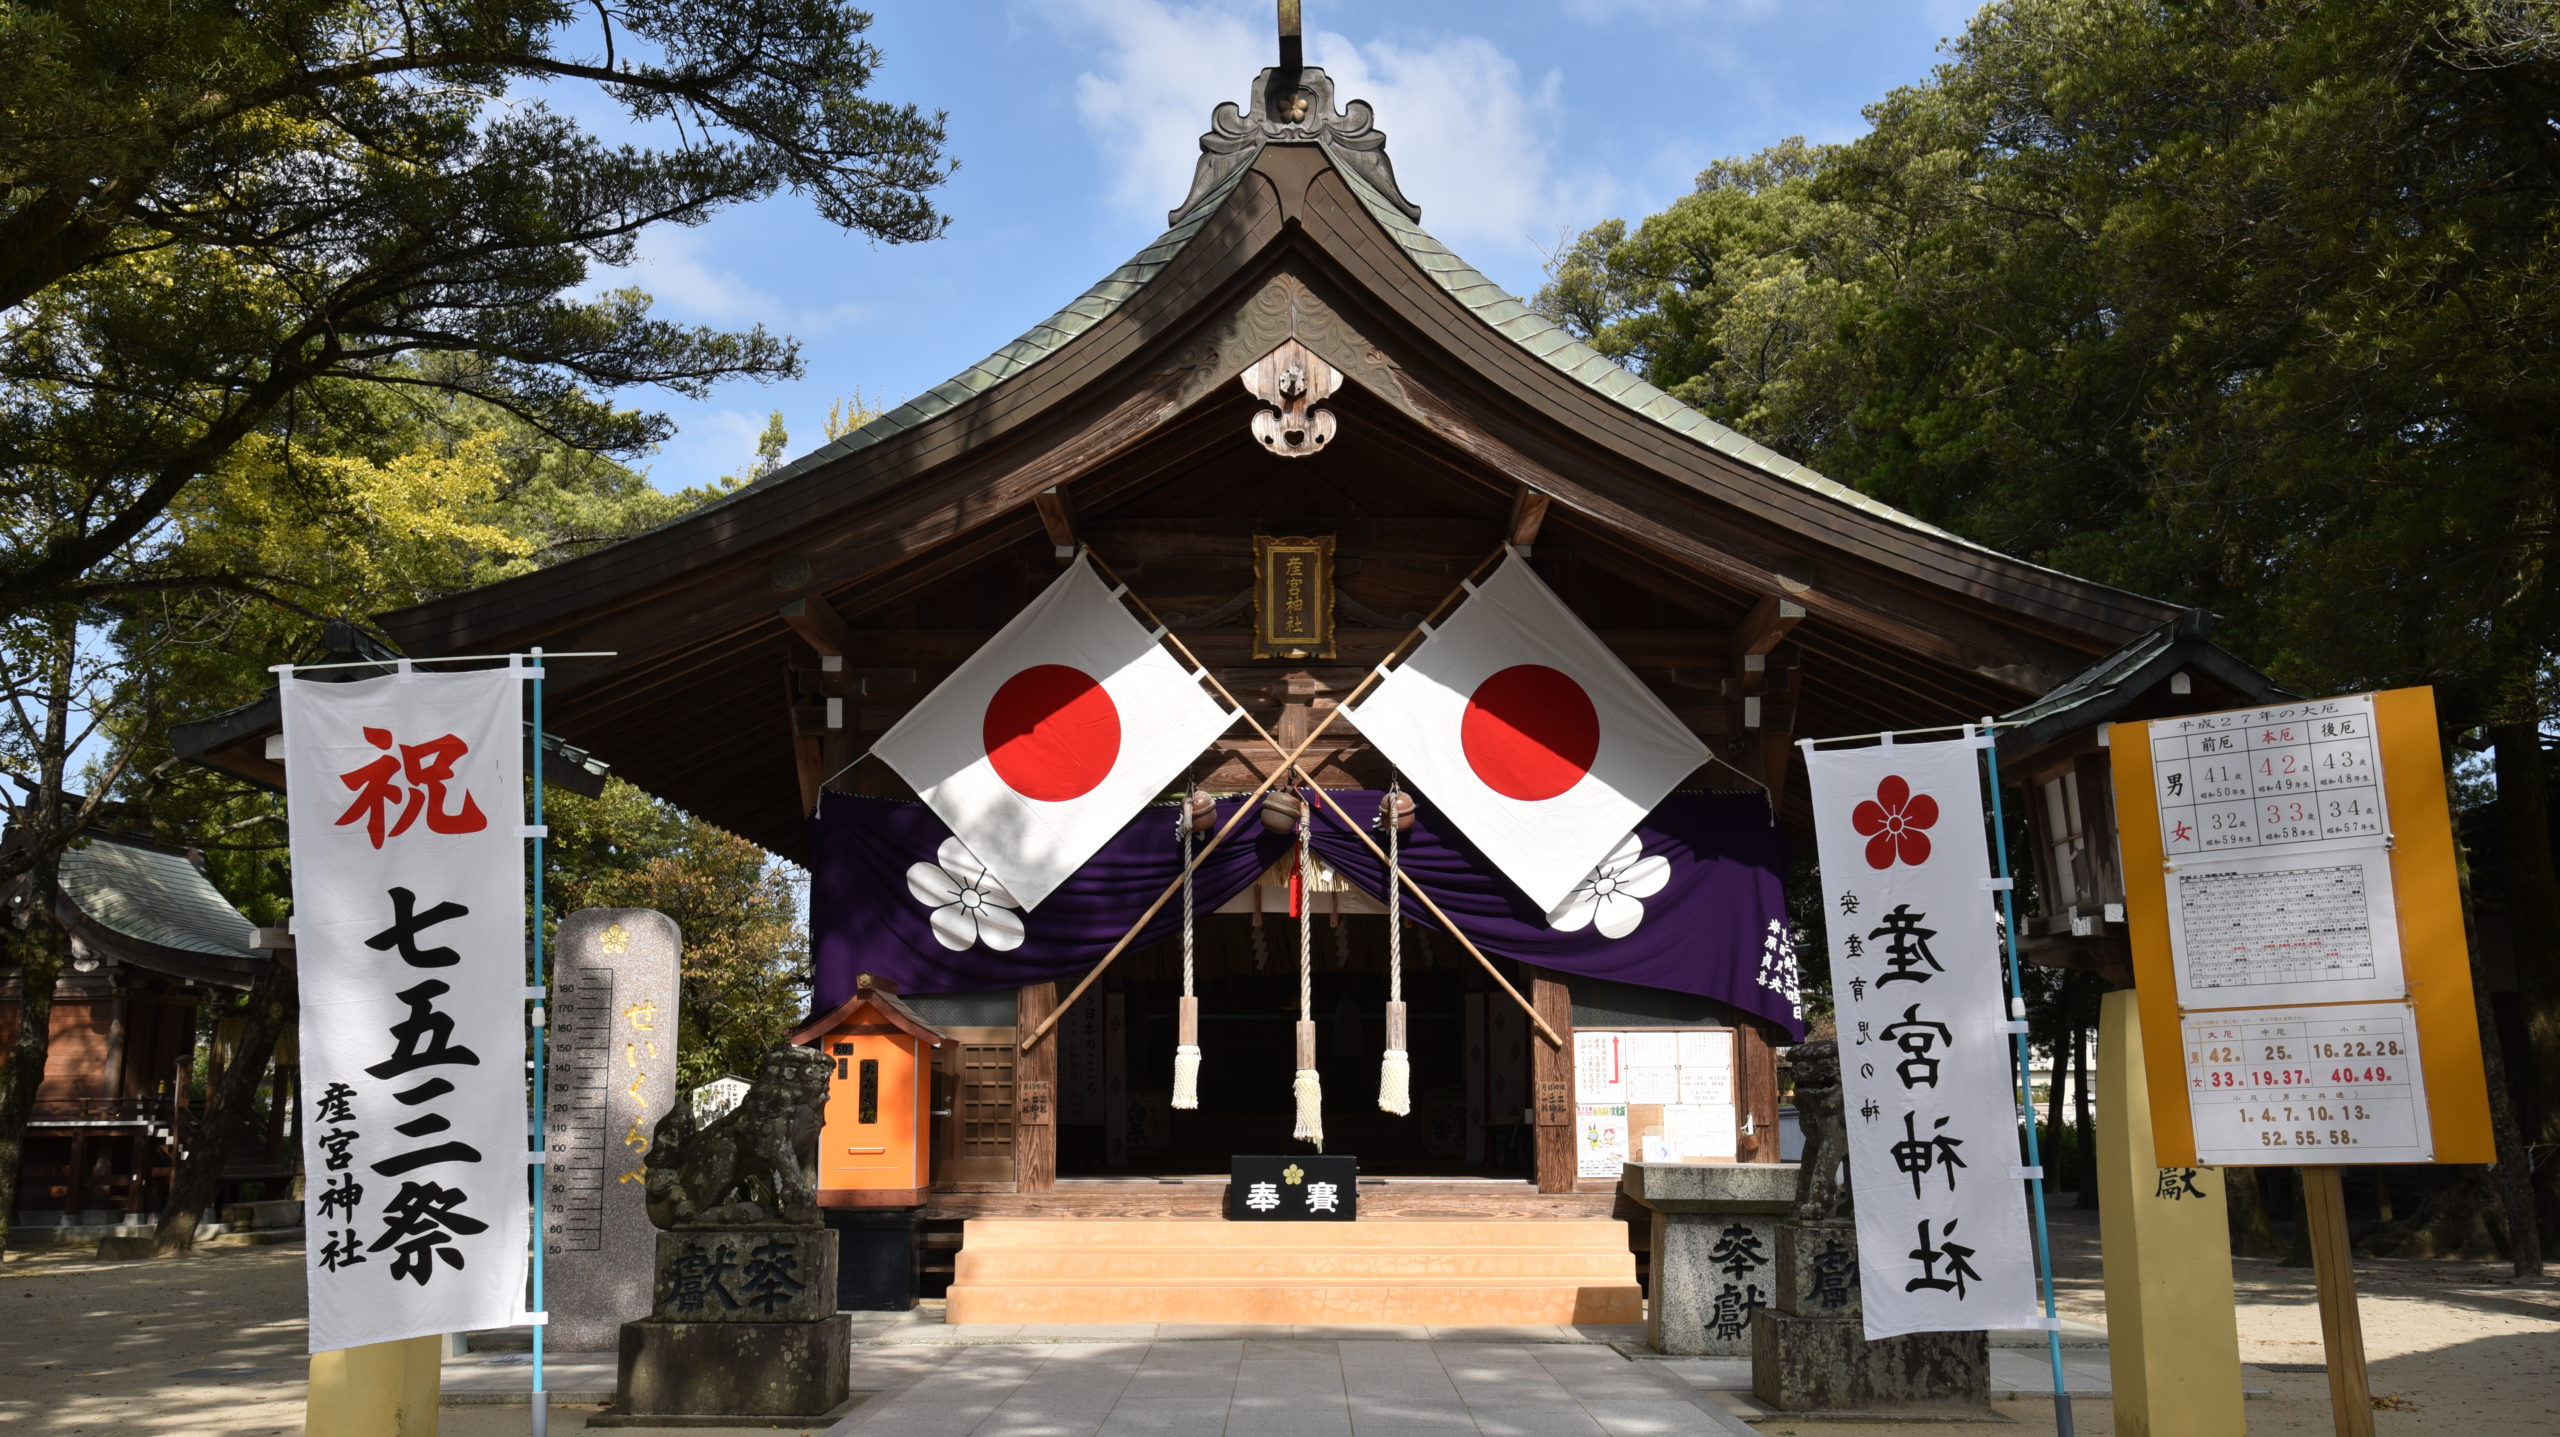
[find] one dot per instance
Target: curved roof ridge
(1041, 340)
(1559, 348)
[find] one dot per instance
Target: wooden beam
(1551, 1084)
(1755, 1079)
(1035, 1093)
(1356, 649)
(808, 742)
(1528, 511)
(1766, 626)
(1058, 516)
(815, 620)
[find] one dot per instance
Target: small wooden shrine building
(1294, 356)
(151, 941)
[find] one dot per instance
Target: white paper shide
(407, 815)
(1924, 1064)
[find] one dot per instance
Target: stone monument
(744, 1322)
(1809, 1348)
(612, 1052)
(1714, 1250)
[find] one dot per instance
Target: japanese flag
(1529, 734)
(1042, 745)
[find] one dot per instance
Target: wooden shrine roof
(1120, 422)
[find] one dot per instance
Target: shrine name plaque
(1294, 1188)
(1292, 597)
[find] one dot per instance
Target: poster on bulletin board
(2298, 944)
(1659, 1095)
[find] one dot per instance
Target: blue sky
(1513, 125)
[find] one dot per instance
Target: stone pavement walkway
(1275, 1388)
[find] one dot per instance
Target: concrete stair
(1440, 1273)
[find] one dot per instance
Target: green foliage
(2251, 305)
(222, 223)
(744, 950)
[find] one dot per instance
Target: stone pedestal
(1810, 1354)
(743, 1325)
(876, 1258)
(1714, 1250)
(734, 1369)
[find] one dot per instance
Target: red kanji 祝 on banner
(405, 796)
(413, 783)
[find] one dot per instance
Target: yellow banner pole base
(384, 1389)
(2173, 1328)
(2324, 1201)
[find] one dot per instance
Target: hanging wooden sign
(1292, 597)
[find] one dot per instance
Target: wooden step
(1425, 1272)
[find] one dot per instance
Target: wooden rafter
(1058, 516)
(1528, 512)
(814, 619)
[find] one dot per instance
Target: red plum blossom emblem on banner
(1894, 823)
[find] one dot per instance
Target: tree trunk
(2251, 1234)
(2533, 916)
(37, 946)
(2086, 1178)
(230, 1112)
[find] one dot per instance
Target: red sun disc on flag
(1052, 733)
(1530, 732)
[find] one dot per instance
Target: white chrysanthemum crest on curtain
(970, 906)
(1612, 898)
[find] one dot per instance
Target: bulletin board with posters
(1653, 1095)
(2298, 947)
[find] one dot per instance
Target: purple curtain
(1693, 902)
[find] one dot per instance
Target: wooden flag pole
(1410, 886)
(1288, 764)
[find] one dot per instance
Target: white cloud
(674, 267)
(1669, 9)
(1147, 98)
(1472, 140)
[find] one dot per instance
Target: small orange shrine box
(874, 1149)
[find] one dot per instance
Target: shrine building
(1295, 370)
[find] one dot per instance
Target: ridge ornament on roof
(1292, 104)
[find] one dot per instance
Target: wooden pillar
(2173, 1329)
(384, 1389)
(1035, 1093)
(1755, 1082)
(1551, 1082)
(2324, 1202)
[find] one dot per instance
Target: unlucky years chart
(2278, 852)
(2307, 1085)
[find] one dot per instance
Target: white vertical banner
(406, 800)
(1924, 1063)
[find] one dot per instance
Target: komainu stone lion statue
(753, 1166)
(1822, 1188)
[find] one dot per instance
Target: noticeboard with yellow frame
(2298, 947)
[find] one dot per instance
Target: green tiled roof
(1532, 331)
(1039, 342)
(1556, 345)
(154, 896)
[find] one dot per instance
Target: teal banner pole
(2026, 1086)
